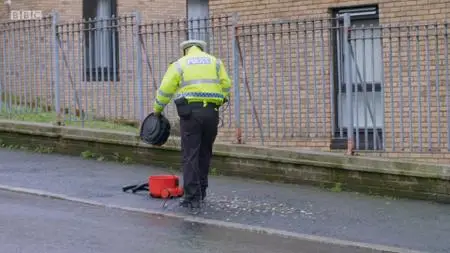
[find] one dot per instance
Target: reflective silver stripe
(178, 67)
(199, 81)
(180, 71)
(164, 94)
(218, 62)
(160, 103)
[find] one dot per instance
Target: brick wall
(306, 122)
(391, 12)
(115, 98)
(421, 157)
(409, 180)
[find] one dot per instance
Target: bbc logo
(25, 15)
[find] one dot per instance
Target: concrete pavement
(37, 224)
(401, 223)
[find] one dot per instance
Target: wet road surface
(411, 224)
(38, 224)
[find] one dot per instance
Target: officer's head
(185, 45)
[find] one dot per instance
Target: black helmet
(155, 130)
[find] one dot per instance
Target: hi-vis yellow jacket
(197, 76)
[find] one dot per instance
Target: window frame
(195, 25)
(98, 73)
(357, 13)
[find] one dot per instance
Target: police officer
(199, 84)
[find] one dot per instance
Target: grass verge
(40, 116)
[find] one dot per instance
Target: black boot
(203, 194)
(190, 203)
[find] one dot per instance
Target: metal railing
(285, 84)
(290, 79)
(26, 67)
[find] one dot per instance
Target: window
(101, 61)
(197, 14)
(366, 72)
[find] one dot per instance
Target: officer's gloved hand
(225, 100)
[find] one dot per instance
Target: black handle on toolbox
(135, 188)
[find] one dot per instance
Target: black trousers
(198, 130)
